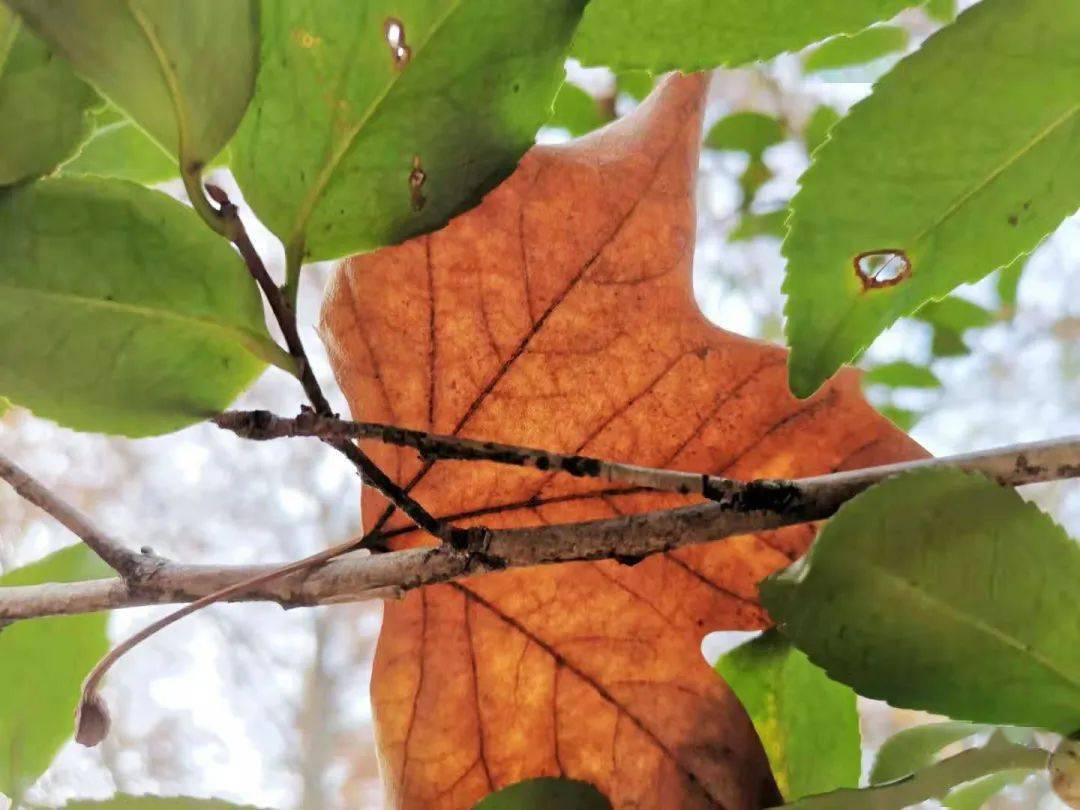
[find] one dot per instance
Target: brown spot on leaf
(417, 178)
(305, 39)
(884, 267)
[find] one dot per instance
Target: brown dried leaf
(559, 314)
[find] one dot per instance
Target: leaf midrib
(899, 583)
(170, 78)
(258, 346)
(307, 207)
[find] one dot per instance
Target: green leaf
(119, 148)
(807, 723)
(955, 314)
(857, 49)
(962, 159)
(1008, 284)
(5, 406)
(942, 10)
(44, 106)
(119, 311)
(353, 142)
(817, 128)
(183, 71)
(42, 665)
(941, 590)
(901, 374)
(544, 793)
(975, 794)
(9, 27)
(946, 343)
(576, 111)
(635, 83)
(934, 782)
(756, 175)
(124, 802)
(754, 225)
(690, 35)
(903, 418)
(750, 132)
(914, 748)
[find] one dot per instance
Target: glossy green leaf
(919, 592)
(903, 418)
(817, 128)
(917, 173)
(857, 49)
(942, 10)
(119, 311)
(42, 665)
(183, 70)
(693, 35)
(124, 802)
(901, 374)
(754, 225)
(807, 723)
(956, 314)
(933, 782)
(975, 794)
(119, 148)
(576, 111)
(546, 793)
(374, 122)
(914, 748)
(44, 106)
(750, 132)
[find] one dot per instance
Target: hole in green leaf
(395, 38)
(416, 183)
(882, 268)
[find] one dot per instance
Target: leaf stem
(294, 260)
(934, 781)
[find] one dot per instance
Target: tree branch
(130, 565)
(1053, 458)
(358, 576)
(226, 220)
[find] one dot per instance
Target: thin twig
(234, 230)
(262, 425)
(91, 719)
(355, 577)
(129, 564)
